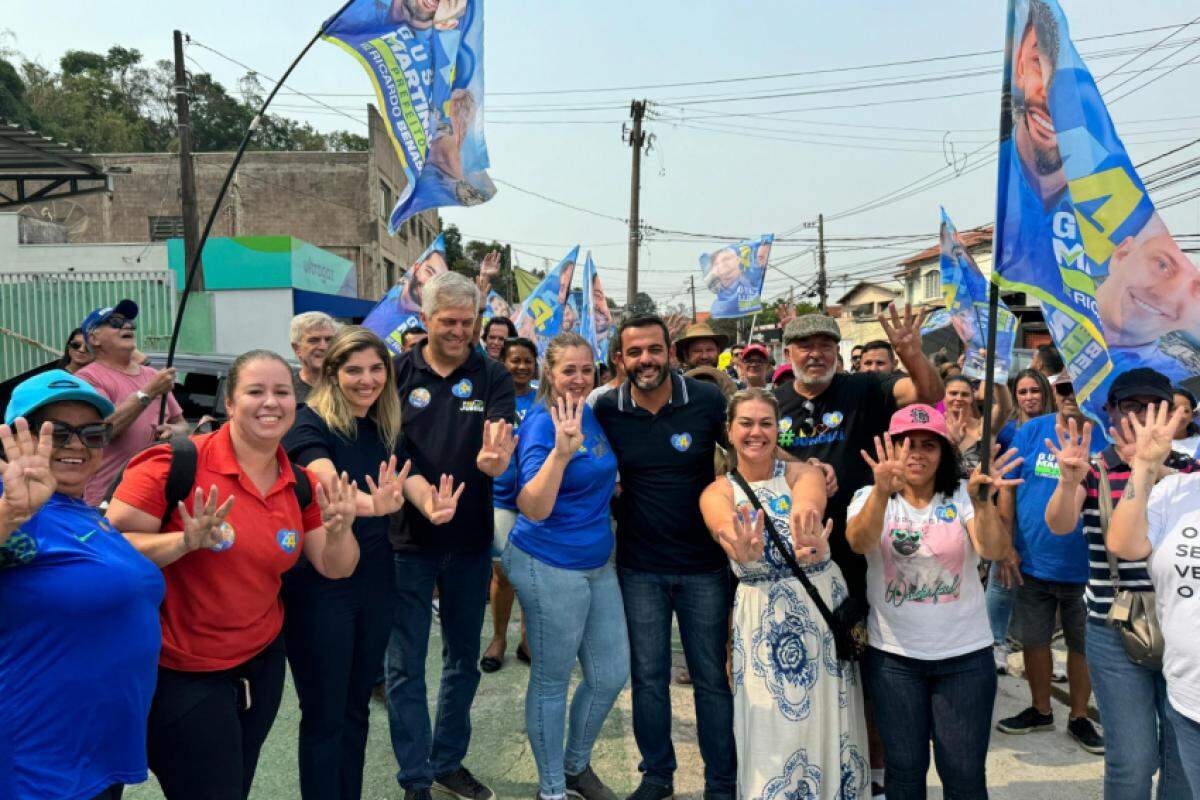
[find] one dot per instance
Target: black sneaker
(417, 794)
(586, 786)
(651, 791)
(1083, 731)
(463, 785)
(1027, 721)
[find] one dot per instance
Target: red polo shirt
(222, 606)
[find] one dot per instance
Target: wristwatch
(143, 398)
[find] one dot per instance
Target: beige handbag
(1133, 613)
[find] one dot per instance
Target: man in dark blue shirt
(664, 429)
(458, 406)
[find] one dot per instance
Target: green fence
(39, 309)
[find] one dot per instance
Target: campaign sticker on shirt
(681, 441)
(462, 389)
(419, 397)
(947, 512)
(599, 449)
(781, 504)
(832, 419)
(227, 538)
(1046, 466)
(785, 424)
(287, 540)
(473, 406)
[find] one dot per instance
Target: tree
(642, 305)
(13, 106)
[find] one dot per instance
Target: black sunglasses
(75, 346)
(120, 322)
(1064, 389)
(93, 435)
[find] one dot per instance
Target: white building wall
(246, 319)
(17, 257)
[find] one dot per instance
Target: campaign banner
(735, 275)
(936, 321)
(597, 323)
(1075, 227)
(425, 60)
(400, 308)
(541, 315)
(496, 306)
(965, 292)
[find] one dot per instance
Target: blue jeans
(462, 580)
(949, 699)
(701, 602)
(569, 615)
(1187, 736)
(1132, 702)
(999, 606)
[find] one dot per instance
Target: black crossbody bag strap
(787, 553)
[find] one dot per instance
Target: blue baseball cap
(126, 308)
(52, 386)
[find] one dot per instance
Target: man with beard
(664, 429)
(700, 346)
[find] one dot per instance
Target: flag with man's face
(596, 323)
(735, 275)
(400, 308)
(425, 60)
(541, 315)
(1075, 226)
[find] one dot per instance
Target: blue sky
(725, 174)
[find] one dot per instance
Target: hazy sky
(826, 147)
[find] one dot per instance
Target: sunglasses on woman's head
(93, 435)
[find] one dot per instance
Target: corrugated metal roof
(24, 151)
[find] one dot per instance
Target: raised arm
(331, 547)
(25, 471)
(203, 528)
(1128, 531)
(739, 532)
(1066, 503)
(863, 529)
(539, 494)
(989, 533)
(923, 384)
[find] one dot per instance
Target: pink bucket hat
(919, 417)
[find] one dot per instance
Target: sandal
(523, 653)
(490, 664)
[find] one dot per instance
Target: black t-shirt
(300, 389)
(311, 439)
(834, 427)
(442, 433)
(665, 461)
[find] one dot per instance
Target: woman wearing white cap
(929, 665)
(78, 665)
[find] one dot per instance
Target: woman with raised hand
(519, 357)
(798, 719)
(964, 422)
(1157, 520)
(928, 668)
(336, 631)
(249, 514)
(80, 628)
(559, 558)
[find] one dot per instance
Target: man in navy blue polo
(664, 429)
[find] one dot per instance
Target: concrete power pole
(692, 282)
(187, 173)
(822, 280)
(636, 139)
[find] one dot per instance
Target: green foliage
(642, 304)
(113, 103)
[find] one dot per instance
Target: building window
(386, 200)
(933, 285)
(163, 228)
(389, 272)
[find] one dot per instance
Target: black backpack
(181, 477)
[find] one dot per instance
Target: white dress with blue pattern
(797, 711)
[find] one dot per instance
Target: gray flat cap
(811, 325)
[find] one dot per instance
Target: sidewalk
(1039, 766)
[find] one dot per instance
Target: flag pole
(989, 399)
(190, 275)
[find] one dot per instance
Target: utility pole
(512, 276)
(636, 139)
(692, 281)
(187, 173)
(822, 282)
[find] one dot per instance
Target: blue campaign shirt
(1006, 435)
(1044, 554)
(504, 489)
(79, 660)
(577, 534)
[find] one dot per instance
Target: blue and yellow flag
(735, 275)
(425, 59)
(1075, 227)
(597, 323)
(965, 291)
(400, 308)
(541, 315)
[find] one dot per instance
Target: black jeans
(203, 743)
(949, 699)
(336, 633)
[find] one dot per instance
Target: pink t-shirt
(117, 386)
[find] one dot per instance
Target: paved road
(1032, 767)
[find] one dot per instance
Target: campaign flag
(597, 322)
(936, 321)
(425, 61)
(400, 308)
(735, 275)
(1075, 227)
(496, 306)
(526, 282)
(965, 291)
(541, 315)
